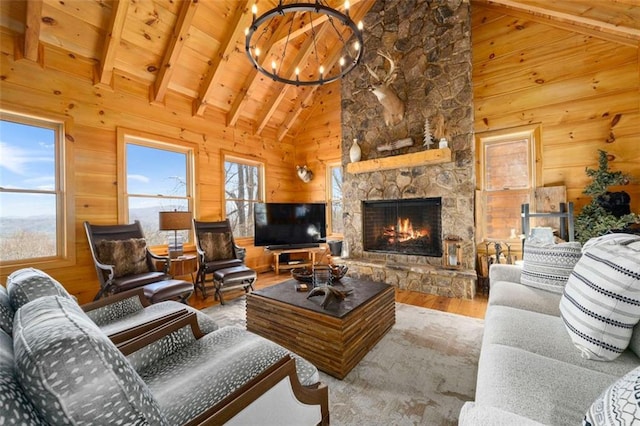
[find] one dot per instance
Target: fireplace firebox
(409, 226)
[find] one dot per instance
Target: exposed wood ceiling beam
(252, 79)
(32, 30)
(112, 41)
(305, 50)
(624, 35)
(241, 20)
(176, 43)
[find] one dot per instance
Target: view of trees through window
(242, 189)
(30, 193)
(335, 199)
(157, 180)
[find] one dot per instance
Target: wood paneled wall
(573, 83)
(63, 85)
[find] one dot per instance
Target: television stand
(310, 260)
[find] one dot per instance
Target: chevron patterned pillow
(619, 404)
(601, 301)
(548, 266)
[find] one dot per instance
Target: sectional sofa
(553, 349)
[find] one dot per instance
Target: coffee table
(334, 339)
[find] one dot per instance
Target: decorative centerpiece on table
(305, 275)
(322, 277)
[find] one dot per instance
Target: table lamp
(175, 221)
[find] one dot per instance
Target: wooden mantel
(422, 158)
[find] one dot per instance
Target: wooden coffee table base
(335, 345)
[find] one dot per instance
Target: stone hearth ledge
(460, 283)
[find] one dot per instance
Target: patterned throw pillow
(128, 256)
(601, 301)
(216, 246)
(27, 284)
(548, 266)
(6, 312)
(619, 404)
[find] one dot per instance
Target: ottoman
(161, 291)
(230, 278)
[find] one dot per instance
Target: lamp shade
(175, 220)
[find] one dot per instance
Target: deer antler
(392, 74)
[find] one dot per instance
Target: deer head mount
(393, 112)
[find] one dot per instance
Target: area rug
(421, 372)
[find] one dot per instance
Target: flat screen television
(290, 225)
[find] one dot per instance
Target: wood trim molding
(431, 156)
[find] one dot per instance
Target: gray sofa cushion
(548, 266)
(25, 285)
(15, 408)
(6, 312)
(618, 405)
(545, 390)
(634, 343)
(239, 356)
(601, 301)
(72, 372)
(124, 313)
(504, 293)
(545, 335)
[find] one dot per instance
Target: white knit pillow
(548, 266)
(618, 405)
(601, 301)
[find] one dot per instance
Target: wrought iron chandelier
(298, 63)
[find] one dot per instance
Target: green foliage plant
(594, 220)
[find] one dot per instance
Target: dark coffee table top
(363, 290)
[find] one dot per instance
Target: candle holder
(452, 257)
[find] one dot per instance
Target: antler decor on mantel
(393, 106)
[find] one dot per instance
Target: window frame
(329, 195)
(532, 133)
(141, 138)
(64, 187)
(237, 158)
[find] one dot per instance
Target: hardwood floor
(472, 308)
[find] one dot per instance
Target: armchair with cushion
(221, 258)
(123, 262)
(170, 376)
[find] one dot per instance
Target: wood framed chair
(220, 258)
(123, 262)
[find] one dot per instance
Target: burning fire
(404, 231)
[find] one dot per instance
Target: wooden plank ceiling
(196, 48)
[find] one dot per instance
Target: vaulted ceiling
(196, 47)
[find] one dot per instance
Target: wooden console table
(310, 260)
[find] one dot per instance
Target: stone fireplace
(430, 43)
(402, 226)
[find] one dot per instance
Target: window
(34, 202)
(334, 198)
(508, 174)
(243, 188)
(158, 176)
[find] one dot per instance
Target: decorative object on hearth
(175, 221)
(428, 137)
(393, 106)
(355, 152)
(452, 257)
(322, 25)
(304, 173)
(606, 212)
(400, 143)
(305, 274)
(331, 293)
(443, 143)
